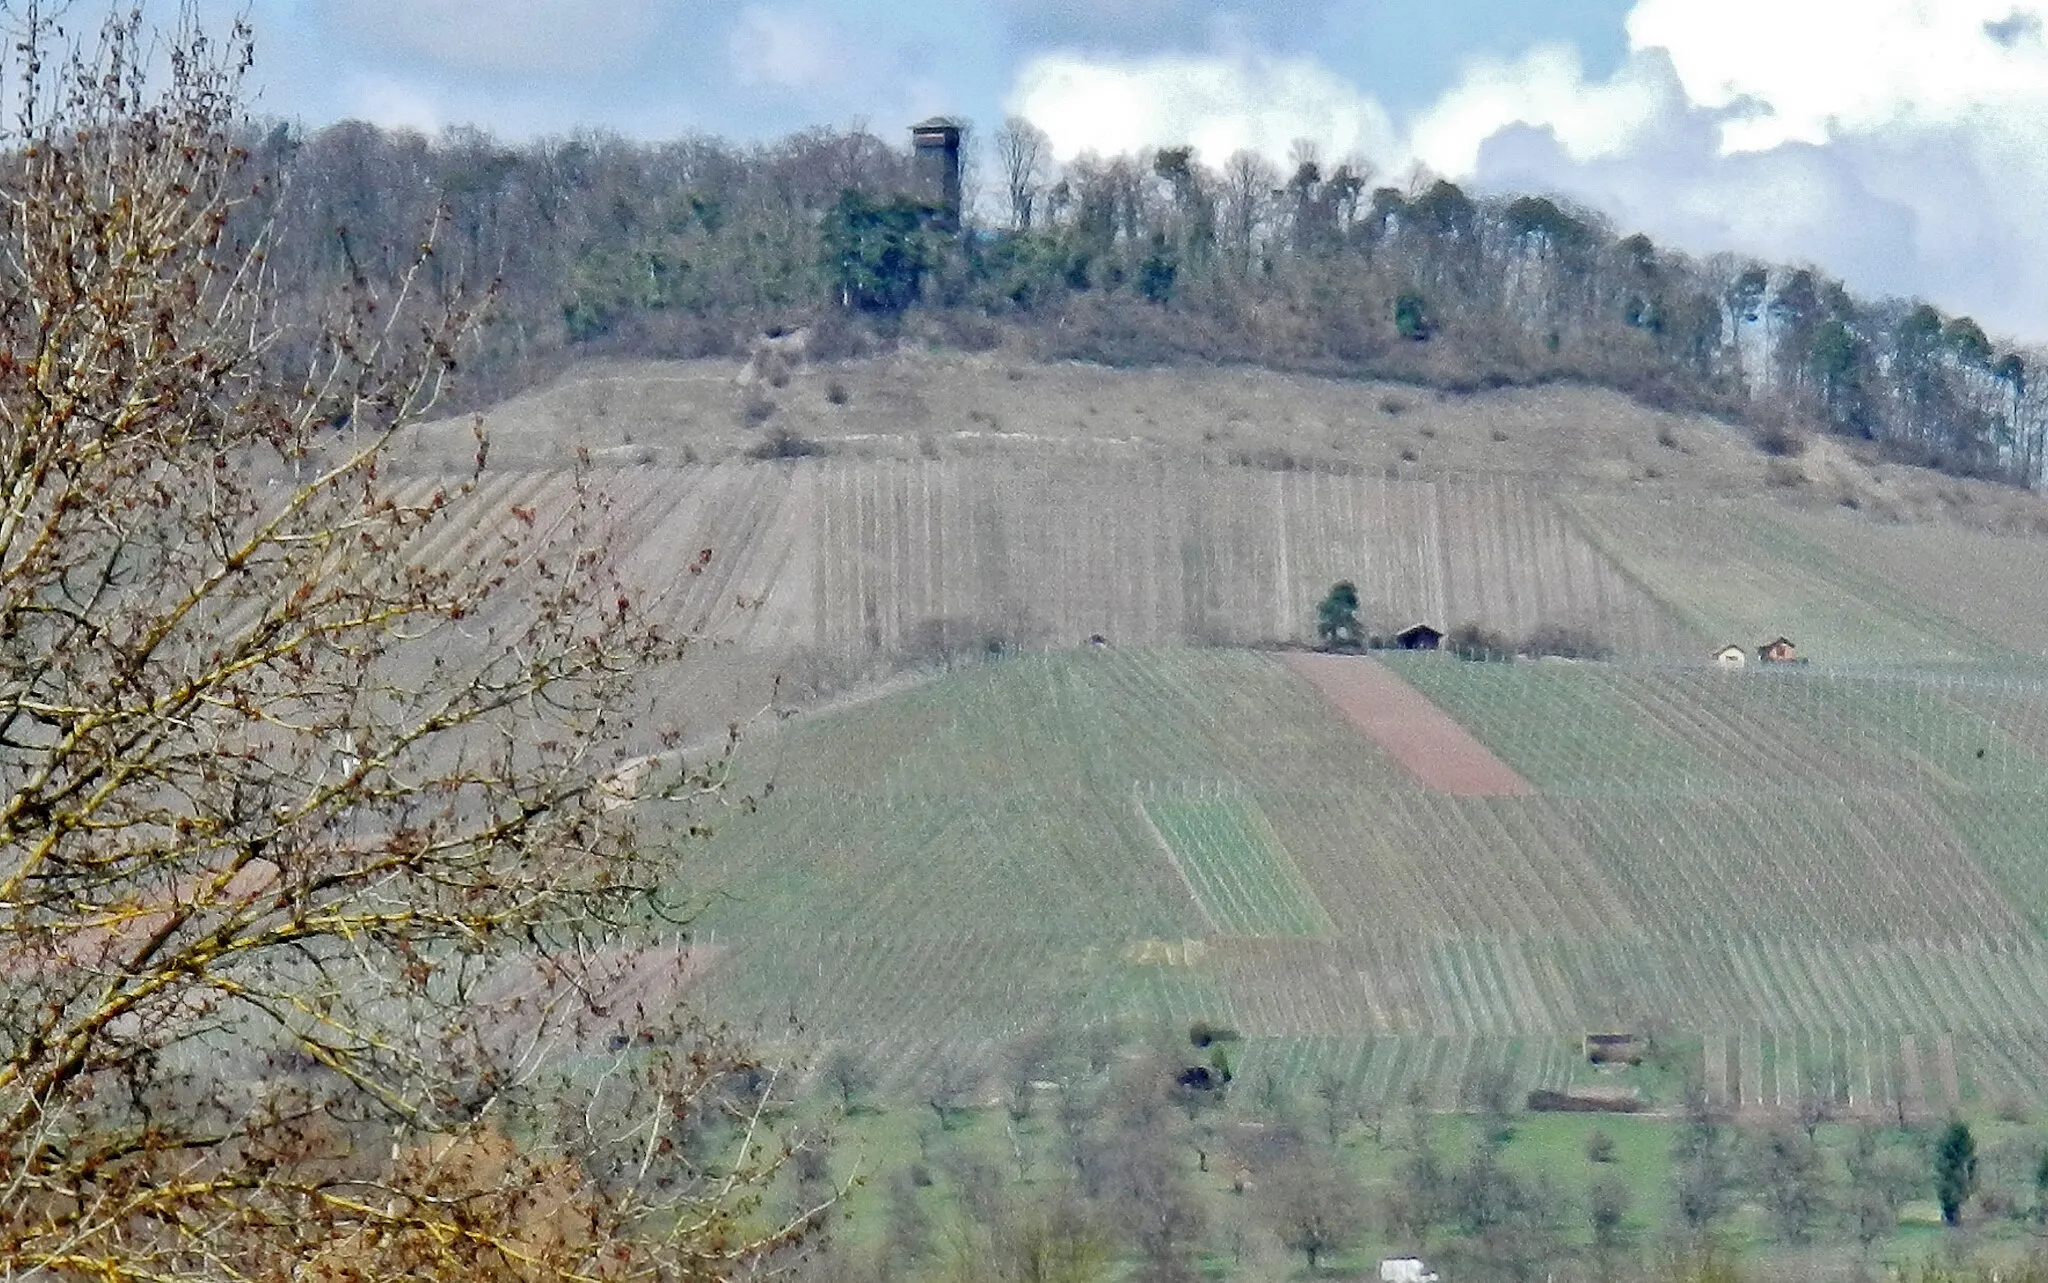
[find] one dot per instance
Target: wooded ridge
(600, 245)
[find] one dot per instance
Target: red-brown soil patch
(1438, 752)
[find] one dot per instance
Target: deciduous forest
(597, 245)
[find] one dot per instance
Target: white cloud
(785, 48)
(393, 104)
(1217, 104)
(1896, 143)
(1831, 67)
(1546, 87)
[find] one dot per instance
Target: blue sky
(657, 67)
(1900, 144)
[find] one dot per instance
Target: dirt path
(1439, 753)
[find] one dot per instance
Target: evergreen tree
(1955, 1171)
(1337, 618)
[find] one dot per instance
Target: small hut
(1731, 656)
(1779, 650)
(1614, 1048)
(1419, 637)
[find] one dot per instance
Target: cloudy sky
(1901, 144)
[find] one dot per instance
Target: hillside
(979, 849)
(921, 508)
(1817, 881)
(1806, 883)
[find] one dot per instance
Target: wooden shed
(1614, 1047)
(1419, 637)
(1779, 650)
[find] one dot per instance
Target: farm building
(1731, 656)
(1613, 1048)
(1419, 637)
(1778, 650)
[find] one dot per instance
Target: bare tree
(1151, 1198)
(1878, 1184)
(950, 1093)
(1606, 1213)
(1249, 184)
(316, 868)
(1022, 153)
(1316, 1207)
(1789, 1173)
(1030, 1060)
(1334, 1094)
(1815, 1108)
(846, 1072)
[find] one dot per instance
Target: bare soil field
(922, 404)
(1438, 752)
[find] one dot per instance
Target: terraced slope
(1745, 571)
(1805, 883)
(829, 573)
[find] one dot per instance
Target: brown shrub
(963, 330)
(1776, 435)
(1566, 641)
(785, 442)
(1473, 641)
(837, 335)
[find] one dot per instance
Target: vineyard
(812, 578)
(1801, 884)
(1149, 550)
(831, 572)
(1233, 864)
(1741, 572)
(1083, 805)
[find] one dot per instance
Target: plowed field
(1439, 753)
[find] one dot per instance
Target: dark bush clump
(1471, 641)
(786, 443)
(1565, 642)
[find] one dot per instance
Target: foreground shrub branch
(316, 896)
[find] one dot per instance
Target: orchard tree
(1316, 1206)
(316, 885)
